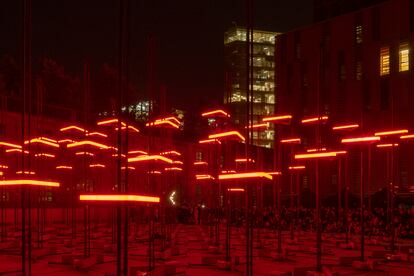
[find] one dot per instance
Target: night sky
(188, 34)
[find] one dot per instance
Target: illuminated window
(358, 34)
(385, 61)
(404, 57)
(358, 70)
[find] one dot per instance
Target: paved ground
(192, 252)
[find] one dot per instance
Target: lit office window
(358, 34)
(385, 61)
(404, 57)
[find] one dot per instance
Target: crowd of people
(377, 221)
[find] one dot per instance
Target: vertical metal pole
(362, 194)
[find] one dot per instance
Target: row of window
(403, 59)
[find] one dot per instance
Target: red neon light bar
(391, 132)
(409, 136)
(64, 167)
(137, 151)
(171, 121)
(129, 168)
(66, 141)
(345, 127)
(171, 152)
(72, 128)
(116, 155)
(275, 173)
(244, 160)
(109, 121)
(361, 139)
(235, 190)
(173, 169)
(314, 119)
(387, 145)
(217, 112)
(254, 126)
(120, 198)
(204, 177)
(290, 141)
(316, 150)
(96, 134)
(96, 166)
(232, 176)
(4, 167)
(142, 158)
(154, 172)
(45, 155)
(129, 128)
(208, 141)
(277, 118)
(16, 150)
(85, 153)
(199, 163)
(26, 172)
(28, 182)
(41, 140)
(88, 143)
(227, 134)
(228, 171)
(10, 145)
(178, 162)
(316, 155)
(297, 167)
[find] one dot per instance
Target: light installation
(28, 182)
(96, 166)
(290, 141)
(315, 149)
(173, 169)
(297, 167)
(391, 132)
(227, 134)
(409, 136)
(277, 118)
(154, 172)
(255, 126)
(361, 139)
(314, 119)
(171, 152)
(204, 177)
(245, 175)
(41, 140)
(129, 168)
(64, 167)
(169, 121)
(142, 158)
(109, 122)
(345, 127)
(209, 141)
(137, 151)
(96, 134)
(244, 160)
(235, 190)
(26, 172)
(387, 145)
(86, 153)
(16, 151)
(274, 173)
(215, 113)
(120, 198)
(45, 155)
(200, 163)
(66, 141)
(228, 171)
(10, 145)
(88, 143)
(317, 155)
(73, 128)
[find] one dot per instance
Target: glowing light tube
(217, 112)
(290, 141)
(28, 182)
(143, 158)
(391, 132)
(204, 177)
(316, 155)
(235, 190)
(120, 198)
(72, 128)
(227, 134)
(361, 139)
(10, 145)
(88, 143)
(209, 141)
(345, 127)
(232, 176)
(277, 118)
(314, 119)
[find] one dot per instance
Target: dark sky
(188, 34)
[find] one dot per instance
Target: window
(385, 61)
(404, 57)
(358, 34)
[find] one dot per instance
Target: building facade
(357, 67)
(263, 79)
(325, 9)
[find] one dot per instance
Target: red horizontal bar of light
(96, 166)
(264, 125)
(16, 150)
(154, 172)
(232, 176)
(290, 141)
(297, 167)
(95, 133)
(391, 132)
(66, 141)
(345, 127)
(209, 141)
(120, 198)
(199, 163)
(316, 149)
(387, 145)
(41, 140)
(26, 172)
(109, 122)
(64, 167)
(178, 162)
(409, 136)
(226, 134)
(116, 155)
(235, 190)
(275, 173)
(314, 119)
(129, 168)
(277, 118)
(142, 158)
(29, 182)
(72, 128)
(228, 171)
(171, 152)
(244, 160)
(88, 143)
(361, 139)
(45, 155)
(129, 128)
(204, 177)
(137, 151)
(85, 153)
(10, 145)
(4, 167)
(217, 112)
(173, 169)
(171, 121)
(316, 155)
